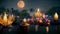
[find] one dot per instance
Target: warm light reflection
(5, 19)
(36, 28)
(56, 16)
(47, 29)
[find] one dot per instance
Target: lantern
(24, 20)
(56, 16)
(37, 13)
(6, 20)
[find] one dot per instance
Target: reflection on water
(47, 29)
(36, 29)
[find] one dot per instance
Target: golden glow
(38, 9)
(24, 20)
(38, 13)
(40, 21)
(6, 20)
(48, 21)
(47, 29)
(21, 4)
(44, 16)
(56, 16)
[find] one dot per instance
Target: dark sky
(42, 4)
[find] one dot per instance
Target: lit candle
(56, 16)
(5, 19)
(25, 22)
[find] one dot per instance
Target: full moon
(21, 4)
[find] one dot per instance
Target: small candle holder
(24, 26)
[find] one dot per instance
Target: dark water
(32, 30)
(42, 30)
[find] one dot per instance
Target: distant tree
(52, 10)
(2, 9)
(24, 14)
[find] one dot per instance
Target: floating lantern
(6, 19)
(56, 16)
(37, 13)
(25, 21)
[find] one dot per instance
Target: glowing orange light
(37, 13)
(6, 19)
(48, 21)
(40, 21)
(56, 16)
(24, 20)
(47, 29)
(21, 4)
(44, 16)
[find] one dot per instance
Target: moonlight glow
(21, 4)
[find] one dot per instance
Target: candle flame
(38, 9)
(5, 19)
(24, 20)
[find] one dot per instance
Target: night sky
(42, 4)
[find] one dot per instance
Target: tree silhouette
(24, 14)
(52, 10)
(2, 9)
